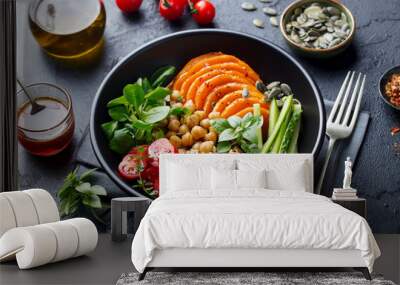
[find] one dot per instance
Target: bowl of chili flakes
(389, 87)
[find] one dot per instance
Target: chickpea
(183, 129)
(206, 147)
(214, 115)
(200, 114)
(192, 121)
(175, 141)
(211, 129)
(189, 104)
(196, 146)
(170, 134)
(172, 117)
(211, 136)
(205, 123)
(187, 139)
(173, 125)
(198, 132)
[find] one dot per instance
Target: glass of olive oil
(68, 29)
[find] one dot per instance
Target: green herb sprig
(77, 191)
(236, 131)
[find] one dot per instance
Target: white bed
(280, 225)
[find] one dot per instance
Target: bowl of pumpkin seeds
(317, 28)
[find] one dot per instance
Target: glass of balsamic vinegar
(68, 29)
(51, 130)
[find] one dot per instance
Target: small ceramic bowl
(314, 52)
(382, 83)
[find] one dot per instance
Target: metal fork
(340, 124)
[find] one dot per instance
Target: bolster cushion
(40, 244)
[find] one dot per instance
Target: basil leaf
(249, 148)
(83, 188)
(155, 114)
(247, 120)
(223, 147)
(92, 201)
(220, 125)
(250, 134)
(160, 77)
(158, 94)
(117, 101)
(227, 135)
(134, 94)
(122, 141)
(118, 113)
(98, 190)
(109, 128)
(234, 121)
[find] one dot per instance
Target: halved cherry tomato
(203, 12)
(131, 166)
(150, 173)
(158, 147)
(128, 6)
(172, 9)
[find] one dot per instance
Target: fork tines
(336, 115)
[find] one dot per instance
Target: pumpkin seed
(261, 86)
(247, 6)
(298, 11)
(302, 19)
(269, 11)
(273, 84)
(245, 93)
(332, 10)
(313, 12)
(274, 21)
(286, 89)
(274, 92)
(258, 23)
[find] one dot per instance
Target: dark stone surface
(375, 49)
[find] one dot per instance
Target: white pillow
(290, 179)
(283, 174)
(251, 178)
(189, 176)
(223, 179)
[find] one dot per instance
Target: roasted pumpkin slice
(220, 91)
(178, 78)
(213, 60)
(240, 104)
(212, 83)
(223, 66)
(231, 97)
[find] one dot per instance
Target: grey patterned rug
(244, 278)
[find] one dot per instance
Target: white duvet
(250, 219)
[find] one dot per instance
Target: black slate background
(376, 48)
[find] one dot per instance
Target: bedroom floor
(110, 260)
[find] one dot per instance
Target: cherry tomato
(150, 173)
(131, 166)
(158, 147)
(128, 6)
(172, 9)
(203, 12)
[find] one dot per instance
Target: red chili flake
(394, 131)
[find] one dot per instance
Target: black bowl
(382, 82)
(268, 60)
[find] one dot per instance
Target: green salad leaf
(137, 114)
